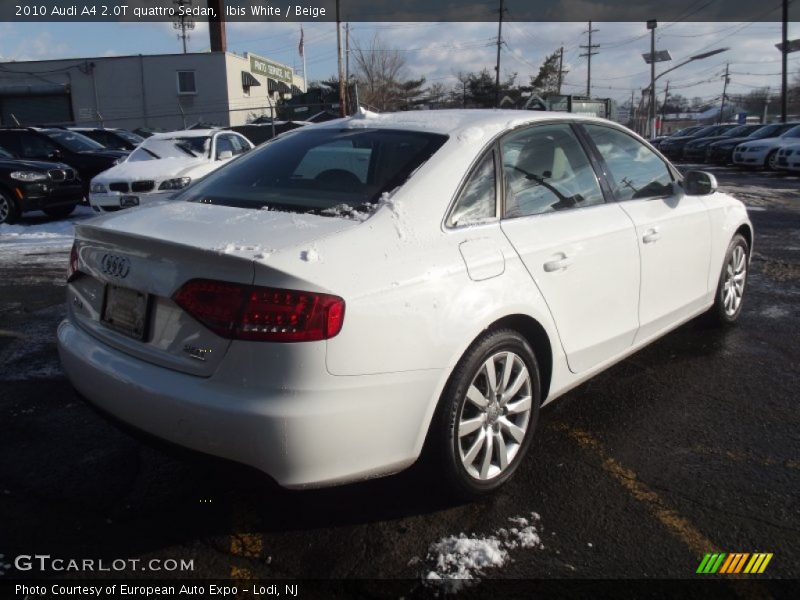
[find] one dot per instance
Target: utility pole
(651, 25)
(560, 68)
(724, 91)
(632, 110)
(347, 52)
(497, 67)
(588, 54)
(664, 106)
(342, 92)
(784, 55)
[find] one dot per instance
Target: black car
(27, 185)
(672, 148)
(114, 139)
(721, 152)
(696, 149)
(84, 155)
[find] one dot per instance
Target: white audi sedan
(340, 298)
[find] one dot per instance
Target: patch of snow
(34, 240)
(775, 312)
(455, 561)
(471, 135)
(310, 255)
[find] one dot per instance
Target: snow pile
(458, 559)
(35, 238)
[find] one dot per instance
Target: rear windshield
(319, 170)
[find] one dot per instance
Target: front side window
(186, 82)
(477, 202)
(546, 170)
(635, 170)
(320, 169)
(36, 146)
(224, 147)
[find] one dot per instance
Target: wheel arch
(747, 233)
(537, 337)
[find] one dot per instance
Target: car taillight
(72, 269)
(246, 312)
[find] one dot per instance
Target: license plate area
(128, 201)
(126, 311)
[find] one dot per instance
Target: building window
(186, 82)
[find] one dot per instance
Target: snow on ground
(36, 239)
(455, 560)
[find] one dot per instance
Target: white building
(168, 91)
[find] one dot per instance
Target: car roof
(471, 124)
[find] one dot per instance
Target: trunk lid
(151, 252)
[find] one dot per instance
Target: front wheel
(732, 280)
(9, 211)
(488, 413)
(772, 161)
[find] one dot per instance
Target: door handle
(557, 265)
(651, 235)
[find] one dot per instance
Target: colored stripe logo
(734, 563)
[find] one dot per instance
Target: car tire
(9, 210)
(771, 162)
(59, 212)
(472, 411)
(729, 297)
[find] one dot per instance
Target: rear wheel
(59, 212)
(732, 280)
(488, 413)
(9, 211)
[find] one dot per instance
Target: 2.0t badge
(116, 266)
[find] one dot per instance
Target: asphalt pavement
(688, 447)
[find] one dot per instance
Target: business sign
(267, 68)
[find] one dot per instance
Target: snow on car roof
(187, 133)
(464, 124)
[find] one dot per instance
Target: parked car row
(775, 146)
(53, 169)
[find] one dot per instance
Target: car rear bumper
(353, 428)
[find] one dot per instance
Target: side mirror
(699, 183)
(225, 155)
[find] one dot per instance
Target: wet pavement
(690, 446)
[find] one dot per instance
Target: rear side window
(546, 170)
(636, 171)
(477, 202)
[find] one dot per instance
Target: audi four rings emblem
(116, 266)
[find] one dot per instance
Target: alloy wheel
(494, 416)
(735, 276)
(5, 209)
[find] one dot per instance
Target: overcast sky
(439, 50)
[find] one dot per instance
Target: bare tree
(380, 71)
